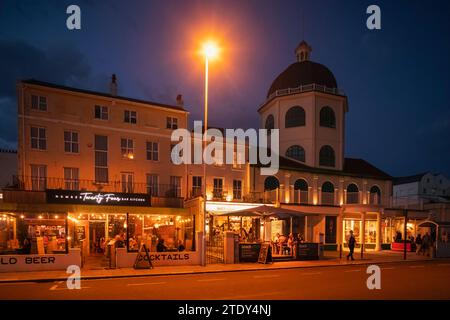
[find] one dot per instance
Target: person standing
(426, 244)
(351, 245)
(419, 244)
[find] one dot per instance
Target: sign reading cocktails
(98, 198)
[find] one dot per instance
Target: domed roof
(303, 73)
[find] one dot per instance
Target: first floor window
(218, 188)
(101, 159)
(172, 123)
(38, 177)
(237, 189)
(38, 138)
(196, 186)
(175, 187)
(152, 184)
(71, 179)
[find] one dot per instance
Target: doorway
(97, 238)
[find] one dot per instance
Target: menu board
(81, 233)
(265, 253)
(249, 252)
(308, 251)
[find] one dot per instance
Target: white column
(378, 237)
(287, 189)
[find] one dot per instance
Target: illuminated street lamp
(210, 51)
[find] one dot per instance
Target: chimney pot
(180, 101)
(114, 85)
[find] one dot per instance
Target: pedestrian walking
(418, 244)
(351, 245)
(426, 242)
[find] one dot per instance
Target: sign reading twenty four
(98, 198)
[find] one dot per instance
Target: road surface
(405, 280)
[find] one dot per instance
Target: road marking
(144, 284)
(417, 267)
(357, 270)
(206, 280)
(253, 295)
(310, 273)
(388, 268)
(443, 264)
(54, 287)
(268, 276)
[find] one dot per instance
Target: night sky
(397, 79)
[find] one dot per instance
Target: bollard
(340, 251)
(362, 251)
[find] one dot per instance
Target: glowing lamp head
(210, 50)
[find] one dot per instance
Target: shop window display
(8, 239)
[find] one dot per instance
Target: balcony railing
(352, 197)
(30, 183)
(328, 198)
(301, 196)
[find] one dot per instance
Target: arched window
(327, 118)
(375, 195)
(352, 193)
(271, 183)
(326, 156)
(327, 193)
(270, 122)
(301, 191)
(296, 152)
(295, 117)
(301, 184)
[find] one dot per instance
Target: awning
(266, 211)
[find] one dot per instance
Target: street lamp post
(210, 51)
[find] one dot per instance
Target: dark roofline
(288, 164)
(101, 94)
(7, 150)
(409, 179)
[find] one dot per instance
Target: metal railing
(305, 88)
(301, 196)
(30, 183)
(352, 197)
(328, 198)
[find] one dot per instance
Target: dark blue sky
(397, 79)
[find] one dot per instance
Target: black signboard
(330, 229)
(265, 253)
(308, 251)
(143, 260)
(98, 198)
(249, 252)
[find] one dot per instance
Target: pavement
(331, 259)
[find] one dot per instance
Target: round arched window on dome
(296, 152)
(271, 183)
(375, 195)
(295, 117)
(270, 122)
(327, 157)
(327, 118)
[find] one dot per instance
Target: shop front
(71, 227)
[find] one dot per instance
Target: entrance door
(97, 237)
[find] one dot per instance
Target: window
(301, 191)
(152, 151)
(352, 193)
(38, 103)
(101, 112)
(375, 195)
(295, 117)
(196, 186)
(218, 188)
(270, 122)
(127, 182)
(326, 156)
(71, 141)
(127, 148)
(130, 116)
(175, 187)
(172, 123)
(237, 189)
(327, 193)
(327, 118)
(152, 184)
(71, 179)
(101, 159)
(38, 177)
(271, 183)
(38, 138)
(296, 152)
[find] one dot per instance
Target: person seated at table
(181, 246)
(161, 247)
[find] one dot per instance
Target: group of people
(286, 245)
(423, 244)
(161, 247)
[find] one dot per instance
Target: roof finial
(303, 51)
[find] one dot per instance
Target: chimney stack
(113, 85)
(180, 101)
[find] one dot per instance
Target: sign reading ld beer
(98, 198)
